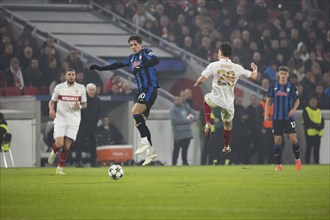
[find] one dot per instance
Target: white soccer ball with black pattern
(115, 171)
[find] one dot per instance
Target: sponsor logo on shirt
(69, 98)
(281, 93)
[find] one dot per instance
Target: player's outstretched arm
(254, 72)
(200, 80)
(113, 66)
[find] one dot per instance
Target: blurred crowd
(24, 64)
(270, 33)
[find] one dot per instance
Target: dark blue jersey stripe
(145, 78)
(284, 97)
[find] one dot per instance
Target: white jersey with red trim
(65, 96)
(225, 75)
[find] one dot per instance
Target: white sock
(151, 150)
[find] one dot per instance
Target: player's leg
(59, 130)
(207, 114)
(227, 116)
(278, 152)
(291, 131)
(70, 136)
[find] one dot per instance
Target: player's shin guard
(296, 150)
(141, 125)
(207, 112)
(277, 153)
(63, 155)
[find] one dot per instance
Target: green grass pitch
(194, 192)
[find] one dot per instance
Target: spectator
(141, 16)
(81, 78)
(181, 116)
(322, 99)
(34, 73)
(58, 79)
(14, 76)
(313, 124)
(26, 59)
(107, 133)
(114, 80)
(50, 72)
(7, 56)
(74, 61)
(87, 127)
(91, 76)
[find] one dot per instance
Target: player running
(225, 75)
(142, 63)
(286, 101)
(71, 98)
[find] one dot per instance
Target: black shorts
(147, 97)
(284, 126)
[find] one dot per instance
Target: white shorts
(62, 130)
(227, 112)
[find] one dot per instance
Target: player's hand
(137, 69)
(94, 67)
(76, 106)
(291, 112)
(254, 66)
(52, 114)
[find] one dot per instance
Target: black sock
(148, 135)
(143, 129)
(296, 150)
(277, 153)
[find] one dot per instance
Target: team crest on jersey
(288, 90)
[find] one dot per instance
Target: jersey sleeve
(245, 73)
(295, 92)
(149, 54)
(55, 93)
(83, 95)
(207, 72)
(270, 93)
(125, 61)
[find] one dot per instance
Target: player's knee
(138, 119)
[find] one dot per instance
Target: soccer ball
(115, 171)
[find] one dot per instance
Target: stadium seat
(12, 91)
(31, 90)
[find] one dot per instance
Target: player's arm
(51, 106)
(294, 109)
(254, 71)
(200, 80)
(113, 66)
(152, 62)
(268, 101)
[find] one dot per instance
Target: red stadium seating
(31, 90)
(12, 91)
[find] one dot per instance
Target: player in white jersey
(70, 98)
(225, 75)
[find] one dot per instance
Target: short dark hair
(135, 37)
(226, 49)
(69, 69)
(283, 68)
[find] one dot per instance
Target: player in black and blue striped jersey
(142, 63)
(286, 101)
